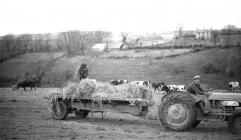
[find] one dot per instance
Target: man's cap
(196, 77)
(162, 83)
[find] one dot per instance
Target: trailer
(82, 107)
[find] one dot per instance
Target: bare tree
(74, 41)
(180, 30)
(38, 42)
(226, 33)
(107, 39)
(8, 41)
(65, 37)
(124, 36)
(83, 39)
(45, 44)
(26, 39)
(59, 42)
(215, 37)
(38, 71)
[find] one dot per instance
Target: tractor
(179, 111)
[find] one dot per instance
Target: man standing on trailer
(81, 72)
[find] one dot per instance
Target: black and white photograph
(120, 69)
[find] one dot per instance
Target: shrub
(196, 50)
(210, 68)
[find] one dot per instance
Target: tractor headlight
(230, 103)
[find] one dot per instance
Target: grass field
(213, 64)
(140, 53)
(25, 115)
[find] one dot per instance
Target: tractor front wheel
(234, 123)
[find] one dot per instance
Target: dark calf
(27, 83)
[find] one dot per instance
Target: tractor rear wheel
(177, 112)
(234, 123)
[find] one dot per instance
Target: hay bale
(104, 91)
(85, 88)
(89, 88)
(70, 90)
(123, 91)
(136, 91)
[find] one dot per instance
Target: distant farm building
(203, 34)
(99, 47)
(149, 40)
(111, 46)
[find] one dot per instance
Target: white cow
(234, 85)
(141, 83)
(176, 87)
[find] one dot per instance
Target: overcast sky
(139, 16)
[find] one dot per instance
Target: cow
(233, 85)
(160, 86)
(157, 86)
(176, 87)
(141, 83)
(118, 82)
(26, 83)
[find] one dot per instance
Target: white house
(99, 47)
(111, 46)
(204, 34)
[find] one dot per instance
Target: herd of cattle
(161, 86)
(157, 86)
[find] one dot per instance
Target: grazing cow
(141, 83)
(26, 83)
(118, 82)
(233, 85)
(176, 87)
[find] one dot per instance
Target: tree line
(70, 41)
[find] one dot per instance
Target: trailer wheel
(177, 112)
(234, 123)
(59, 110)
(81, 114)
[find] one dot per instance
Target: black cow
(156, 85)
(27, 83)
(118, 82)
(160, 85)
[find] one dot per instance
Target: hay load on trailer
(89, 88)
(89, 95)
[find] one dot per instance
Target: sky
(137, 16)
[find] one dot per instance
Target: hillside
(217, 67)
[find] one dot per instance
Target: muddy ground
(25, 115)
